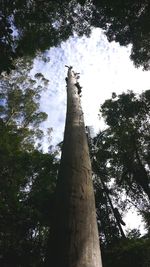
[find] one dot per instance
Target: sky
(104, 68)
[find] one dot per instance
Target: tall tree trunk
(114, 210)
(140, 174)
(75, 241)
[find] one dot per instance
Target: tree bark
(75, 241)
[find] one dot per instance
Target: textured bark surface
(75, 241)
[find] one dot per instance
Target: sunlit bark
(75, 241)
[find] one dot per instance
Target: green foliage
(126, 22)
(109, 222)
(20, 103)
(27, 176)
(128, 253)
(146, 218)
(128, 119)
(27, 183)
(120, 161)
(28, 27)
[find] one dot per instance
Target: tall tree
(108, 216)
(74, 238)
(27, 176)
(20, 96)
(128, 135)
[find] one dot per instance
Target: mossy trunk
(75, 241)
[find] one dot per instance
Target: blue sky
(104, 68)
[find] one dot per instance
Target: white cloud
(133, 220)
